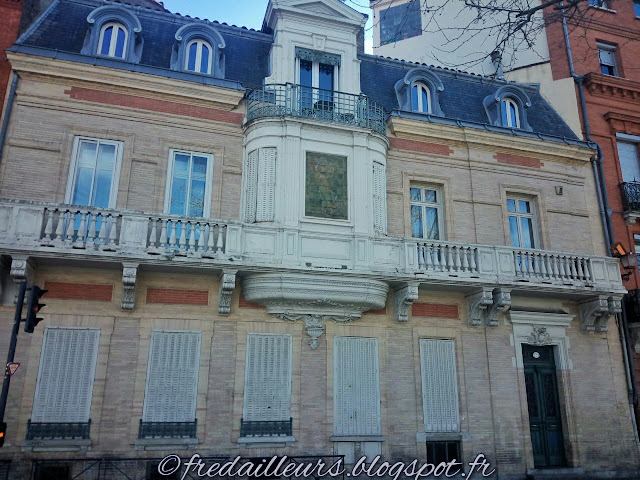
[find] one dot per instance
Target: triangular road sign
(12, 367)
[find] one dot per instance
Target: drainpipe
(605, 213)
(7, 113)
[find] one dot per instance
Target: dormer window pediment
(507, 107)
(419, 92)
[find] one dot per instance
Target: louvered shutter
(172, 377)
(439, 386)
(629, 161)
(379, 198)
(356, 386)
(267, 392)
(251, 186)
(266, 185)
(66, 374)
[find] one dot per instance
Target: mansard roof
(61, 30)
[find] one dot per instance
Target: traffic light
(3, 432)
(33, 308)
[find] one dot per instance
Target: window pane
(414, 98)
(527, 233)
(425, 101)
(636, 7)
(400, 22)
(325, 79)
(511, 205)
(106, 156)
(181, 166)
(120, 43)
(102, 189)
(87, 154)
(196, 200)
(82, 190)
(505, 120)
(305, 73)
(199, 167)
(433, 227)
(513, 230)
(524, 206)
(204, 63)
(178, 196)
(106, 41)
(514, 115)
(431, 196)
(193, 52)
(416, 221)
(415, 194)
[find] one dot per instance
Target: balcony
(326, 105)
(630, 192)
(167, 429)
(58, 430)
(266, 428)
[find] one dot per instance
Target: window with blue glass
(199, 57)
(510, 114)
(636, 8)
(607, 58)
(522, 222)
(400, 22)
(420, 98)
(113, 40)
(189, 184)
(317, 82)
(426, 212)
(599, 3)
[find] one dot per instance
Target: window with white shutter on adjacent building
(439, 386)
(267, 393)
(356, 394)
(379, 198)
(65, 382)
(260, 185)
(629, 161)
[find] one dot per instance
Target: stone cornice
(126, 82)
(606, 85)
(475, 137)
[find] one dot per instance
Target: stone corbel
(313, 324)
(227, 285)
(22, 269)
(405, 296)
(129, 279)
(477, 305)
(501, 304)
(595, 313)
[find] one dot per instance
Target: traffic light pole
(12, 349)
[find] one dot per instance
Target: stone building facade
(267, 242)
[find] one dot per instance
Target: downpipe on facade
(7, 113)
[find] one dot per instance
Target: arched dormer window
(420, 98)
(199, 48)
(419, 91)
(507, 107)
(199, 56)
(113, 40)
(509, 113)
(114, 31)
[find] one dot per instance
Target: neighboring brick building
(10, 16)
(268, 242)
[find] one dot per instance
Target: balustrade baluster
(579, 270)
(70, 226)
(465, 258)
(172, 237)
(163, 233)
(473, 266)
(456, 259)
(563, 267)
(449, 258)
(182, 242)
(92, 227)
(201, 238)
(529, 260)
(437, 264)
(421, 257)
(211, 246)
(82, 231)
(102, 235)
(428, 260)
(113, 232)
(588, 270)
(572, 264)
(60, 226)
(48, 228)
(191, 235)
(554, 266)
(220, 244)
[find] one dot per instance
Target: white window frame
(510, 102)
(533, 216)
(420, 87)
(439, 206)
(115, 179)
(114, 39)
(198, 62)
(611, 49)
(315, 75)
(632, 139)
(208, 183)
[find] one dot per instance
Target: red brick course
(518, 160)
(177, 297)
(421, 147)
(79, 291)
(434, 310)
(244, 304)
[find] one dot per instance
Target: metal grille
(443, 452)
(266, 428)
(630, 196)
(327, 105)
(57, 430)
(168, 429)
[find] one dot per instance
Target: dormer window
(420, 98)
(509, 111)
(199, 56)
(113, 40)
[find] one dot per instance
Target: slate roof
(61, 31)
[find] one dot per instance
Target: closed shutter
(172, 377)
(251, 186)
(66, 374)
(267, 391)
(629, 162)
(379, 199)
(356, 396)
(266, 185)
(439, 386)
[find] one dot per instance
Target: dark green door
(544, 408)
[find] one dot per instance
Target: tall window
(629, 161)
(426, 213)
(113, 40)
(522, 222)
(509, 112)
(420, 98)
(189, 184)
(636, 8)
(199, 57)
(316, 75)
(607, 56)
(94, 173)
(400, 22)
(599, 3)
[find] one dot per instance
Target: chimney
(496, 59)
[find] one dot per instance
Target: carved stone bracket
(595, 313)
(22, 269)
(485, 306)
(129, 278)
(405, 296)
(314, 324)
(227, 285)
(539, 336)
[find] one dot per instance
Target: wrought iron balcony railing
(58, 430)
(630, 196)
(253, 428)
(168, 429)
(328, 105)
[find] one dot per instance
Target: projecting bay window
(64, 387)
(426, 212)
(266, 413)
(172, 386)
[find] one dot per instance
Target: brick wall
(177, 297)
(10, 14)
(79, 291)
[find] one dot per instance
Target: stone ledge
(270, 441)
(73, 445)
(357, 438)
(165, 443)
